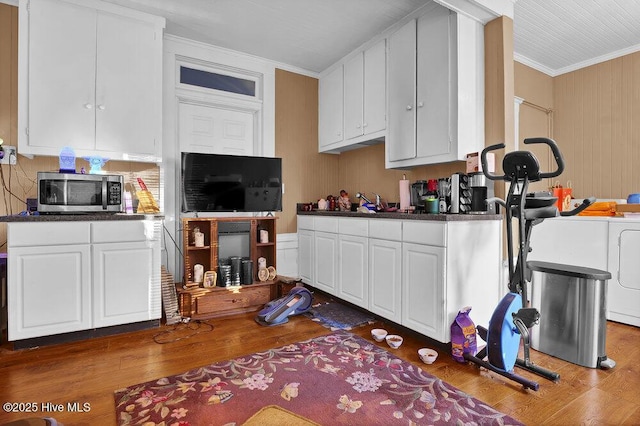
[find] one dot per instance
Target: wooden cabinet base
(205, 303)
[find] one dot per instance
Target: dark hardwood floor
(89, 371)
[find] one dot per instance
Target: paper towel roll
(405, 194)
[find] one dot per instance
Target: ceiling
(552, 36)
(558, 36)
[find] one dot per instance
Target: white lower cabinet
(305, 255)
(418, 273)
(353, 269)
(325, 247)
(72, 276)
(47, 292)
(423, 280)
(385, 273)
(123, 282)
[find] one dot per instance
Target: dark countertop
(88, 217)
(405, 216)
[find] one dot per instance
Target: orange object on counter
(146, 202)
(600, 208)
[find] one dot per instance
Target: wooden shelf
(199, 302)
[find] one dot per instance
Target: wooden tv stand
(199, 302)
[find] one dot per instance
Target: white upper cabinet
(435, 103)
(352, 101)
(365, 92)
(90, 78)
(330, 109)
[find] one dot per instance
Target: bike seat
(541, 213)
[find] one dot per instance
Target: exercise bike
(512, 319)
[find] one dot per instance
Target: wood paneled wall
(8, 74)
(596, 120)
(592, 118)
(536, 117)
(306, 173)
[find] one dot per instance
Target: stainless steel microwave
(79, 193)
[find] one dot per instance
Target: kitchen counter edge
(79, 217)
(405, 216)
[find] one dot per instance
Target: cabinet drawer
(221, 302)
(47, 233)
(326, 224)
(122, 231)
(424, 232)
(350, 226)
(305, 222)
(386, 229)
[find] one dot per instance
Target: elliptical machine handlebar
(557, 156)
(585, 203)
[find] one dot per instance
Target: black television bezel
(221, 157)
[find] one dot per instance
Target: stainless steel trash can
(572, 302)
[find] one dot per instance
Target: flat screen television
(230, 183)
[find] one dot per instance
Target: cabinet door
(434, 62)
(305, 255)
(128, 85)
(623, 301)
(375, 83)
(126, 283)
(401, 144)
(354, 96)
(330, 108)
(61, 73)
(423, 289)
(49, 290)
(353, 272)
(326, 259)
(385, 278)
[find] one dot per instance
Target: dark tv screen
(230, 183)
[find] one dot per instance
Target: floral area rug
(338, 379)
(337, 316)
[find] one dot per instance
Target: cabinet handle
(420, 104)
(364, 125)
(409, 107)
(88, 106)
(357, 126)
(101, 107)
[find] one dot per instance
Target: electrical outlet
(10, 155)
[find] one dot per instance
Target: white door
(353, 96)
(375, 83)
(215, 129)
(128, 86)
(353, 272)
(330, 108)
(62, 72)
(385, 278)
(326, 259)
(401, 144)
(49, 290)
(434, 84)
(123, 282)
(423, 289)
(624, 287)
(305, 255)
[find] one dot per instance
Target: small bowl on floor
(428, 356)
(394, 341)
(379, 334)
